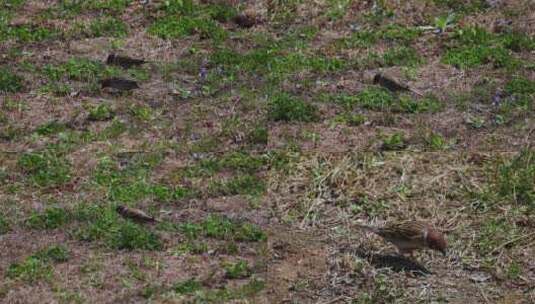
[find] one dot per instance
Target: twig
(483, 294)
(512, 241)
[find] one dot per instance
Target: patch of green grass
(103, 224)
(51, 127)
(115, 129)
(106, 27)
(427, 104)
(514, 270)
(206, 144)
(5, 227)
(187, 286)
(241, 161)
(54, 253)
(139, 74)
(518, 41)
(71, 8)
(79, 69)
(221, 12)
(373, 98)
(50, 218)
(234, 161)
(12, 4)
(399, 33)
(493, 233)
(394, 142)
(284, 107)
(181, 7)
(360, 39)
(30, 270)
(237, 270)
(276, 60)
(520, 86)
(191, 247)
(83, 69)
(141, 112)
(108, 5)
(245, 184)
(101, 112)
(250, 289)
(25, 33)
(10, 82)
(46, 168)
(436, 141)
(56, 88)
(172, 27)
(472, 56)
(514, 181)
(259, 135)
(220, 227)
(351, 119)
(223, 228)
(38, 266)
(401, 56)
(474, 46)
(130, 183)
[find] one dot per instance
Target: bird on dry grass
(135, 214)
(245, 20)
(119, 84)
(408, 236)
(123, 61)
(393, 84)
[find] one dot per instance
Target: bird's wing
(404, 230)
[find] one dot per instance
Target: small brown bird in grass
(135, 214)
(410, 235)
(123, 61)
(119, 84)
(393, 84)
(244, 20)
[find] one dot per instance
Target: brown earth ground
(317, 176)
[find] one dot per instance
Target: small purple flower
(203, 73)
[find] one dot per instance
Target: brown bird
(244, 20)
(123, 61)
(135, 214)
(392, 84)
(410, 235)
(119, 84)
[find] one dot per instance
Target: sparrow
(135, 214)
(392, 84)
(123, 61)
(244, 20)
(410, 235)
(119, 84)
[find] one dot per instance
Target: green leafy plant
(284, 107)
(10, 82)
(237, 270)
(395, 141)
(443, 23)
(49, 218)
(45, 168)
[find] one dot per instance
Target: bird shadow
(395, 262)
